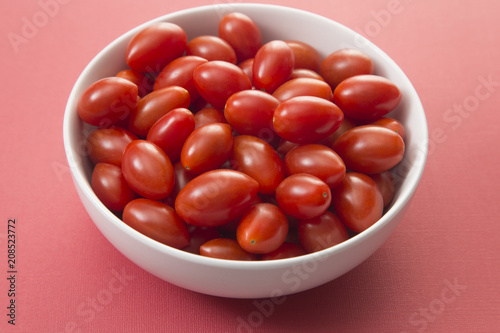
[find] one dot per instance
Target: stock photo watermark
(32, 24)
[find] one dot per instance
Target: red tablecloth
(439, 272)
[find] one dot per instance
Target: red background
(450, 235)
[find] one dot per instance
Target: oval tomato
(306, 119)
(305, 56)
(346, 125)
(207, 148)
(305, 73)
(211, 48)
(147, 169)
(392, 124)
(199, 236)
(216, 197)
(272, 66)
(111, 187)
(303, 87)
(217, 80)
(321, 232)
(179, 73)
(157, 221)
(225, 248)
(155, 46)
(370, 149)
(143, 81)
(345, 63)
(357, 201)
(242, 33)
(303, 196)
(262, 229)
(366, 97)
(316, 160)
(154, 106)
(386, 185)
(171, 131)
(181, 178)
(247, 67)
(107, 145)
(259, 160)
(286, 250)
(107, 101)
(209, 115)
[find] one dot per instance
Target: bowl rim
(82, 182)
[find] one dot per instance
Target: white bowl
(237, 279)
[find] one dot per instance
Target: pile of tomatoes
(232, 148)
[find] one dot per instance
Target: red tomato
(148, 170)
(286, 250)
(217, 80)
(305, 55)
(180, 73)
(171, 131)
(211, 48)
(303, 196)
(155, 46)
(316, 160)
(366, 97)
(157, 221)
(370, 149)
(111, 187)
(303, 87)
(285, 146)
(247, 67)
(259, 160)
(272, 66)
(209, 115)
(225, 248)
(306, 119)
(107, 101)
(216, 197)
(345, 63)
(357, 201)
(305, 73)
(392, 124)
(347, 124)
(386, 185)
(200, 236)
(262, 229)
(154, 106)
(143, 81)
(251, 112)
(242, 33)
(181, 178)
(108, 144)
(207, 148)
(321, 232)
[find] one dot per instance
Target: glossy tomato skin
(107, 101)
(370, 149)
(225, 248)
(262, 229)
(247, 67)
(303, 87)
(305, 56)
(242, 33)
(366, 97)
(157, 221)
(199, 236)
(155, 46)
(217, 80)
(392, 124)
(345, 63)
(286, 250)
(305, 73)
(171, 131)
(303, 196)
(273, 64)
(357, 201)
(251, 112)
(321, 232)
(211, 48)
(346, 125)
(216, 197)
(387, 186)
(207, 148)
(154, 106)
(143, 81)
(209, 115)
(306, 119)
(107, 145)
(148, 169)
(111, 187)
(179, 72)
(317, 160)
(181, 178)
(259, 160)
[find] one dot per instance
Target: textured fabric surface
(439, 271)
